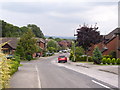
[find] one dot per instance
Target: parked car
(62, 59)
(49, 54)
(9, 56)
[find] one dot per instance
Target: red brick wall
(112, 46)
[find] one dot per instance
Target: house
(11, 44)
(42, 44)
(111, 43)
(65, 43)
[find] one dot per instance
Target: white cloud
(61, 19)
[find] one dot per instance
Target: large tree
(27, 45)
(36, 30)
(52, 46)
(86, 36)
(9, 30)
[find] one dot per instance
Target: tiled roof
(12, 41)
(40, 40)
(111, 34)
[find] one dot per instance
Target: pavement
(47, 73)
(106, 68)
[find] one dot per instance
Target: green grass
(85, 62)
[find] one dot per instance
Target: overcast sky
(61, 17)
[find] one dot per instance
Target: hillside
(9, 30)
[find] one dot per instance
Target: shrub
(104, 60)
(14, 67)
(77, 58)
(83, 58)
(71, 55)
(108, 61)
(113, 54)
(107, 56)
(29, 57)
(90, 59)
(118, 61)
(97, 56)
(113, 61)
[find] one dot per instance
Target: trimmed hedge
(112, 61)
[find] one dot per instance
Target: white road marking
(39, 83)
(100, 84)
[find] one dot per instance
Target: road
(47, 73)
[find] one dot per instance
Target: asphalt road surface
(49, 75)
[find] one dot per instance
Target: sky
(61, 17)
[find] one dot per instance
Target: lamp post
(74, 45)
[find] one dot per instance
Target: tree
(27, 45)
(9, 30)
(87, 36)
(36, 30)
(52, 45)
(97, 56)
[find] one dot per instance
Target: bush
(82, 58)
(29, 57)
(113, 61)
(113, 54)
(77, 58)
(108, 61)
(14, 67)
(104, 60)
(118, 61)
(107, 56)
(72, 59)
(90, 59)
(71, 55)
(97, 56)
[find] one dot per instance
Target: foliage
(7, 68)
(104, 60)
(97, 56)
(71, 55)
(4, 71)
(113, 61)
(27, 45)
(113, 54)
(87, 36)
(52, 46)
(108, 61)
(9, 30)
(90, 59)
(118, 61)
(58, 39)
(78, 52)
(107, 56)
(36, 30)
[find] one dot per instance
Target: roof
(112, 34)
(40, 40)
(12, 41)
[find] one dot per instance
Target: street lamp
(74, 44)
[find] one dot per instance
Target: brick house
(65, 43)
(42, 44)
(111, 43)
(11, 44)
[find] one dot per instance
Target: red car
(62, 59)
